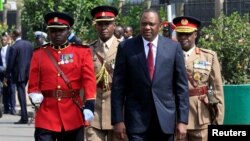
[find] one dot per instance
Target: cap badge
(184, 21)
(55, 19)
(103, 14)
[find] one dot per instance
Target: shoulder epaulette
(80, 45)
(208, 51)
(92, 43)
(42, 46)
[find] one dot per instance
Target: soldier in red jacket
(60, 114)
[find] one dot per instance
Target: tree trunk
(218, 7)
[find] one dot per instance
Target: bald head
(128, 32)
(118, 32)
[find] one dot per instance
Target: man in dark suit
(8, 91)
(18, 66)
(149, 98)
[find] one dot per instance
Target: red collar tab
(197, 50)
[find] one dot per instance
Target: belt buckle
(58, 95)
(201, 91)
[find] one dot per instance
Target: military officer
(104, 52)
(59, 70)
(205, 81)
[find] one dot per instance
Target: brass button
(58, 74)
(59, 63)
(58, 86)
(59, 52)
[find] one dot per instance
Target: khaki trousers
(94, 134)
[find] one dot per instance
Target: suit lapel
(98, 49)
(113, 48)
(161, 47)
(140, 53)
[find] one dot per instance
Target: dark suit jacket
(19, 60)
(133, 90)
(2, 72)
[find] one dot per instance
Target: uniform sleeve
(218, 88)
(88, 80)
(33, 85)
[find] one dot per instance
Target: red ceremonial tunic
(76, 63)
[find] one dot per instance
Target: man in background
(119, 33)
(167, 30)
(8, 91)
(128, 32)
(18, 69)
(72, 38)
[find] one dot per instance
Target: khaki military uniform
(104, 60)
(203, 71)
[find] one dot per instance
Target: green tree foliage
(229, 36)
(34, 11)
(131, 17)
(3, 27)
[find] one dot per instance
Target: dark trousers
(47, 135)
(21, 94)
(153, 133)
(9, 98)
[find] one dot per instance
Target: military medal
(204, 78)
(197, 76)
(66, 59)
(62, 59)
(71, 58)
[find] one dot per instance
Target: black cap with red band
(58, 20)
(104, 13)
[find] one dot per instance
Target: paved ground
(15, 132)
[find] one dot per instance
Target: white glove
(88, 115)
(36, 98)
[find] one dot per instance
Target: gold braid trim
(102, 75)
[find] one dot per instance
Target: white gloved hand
(88, 115)
(36, 98)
